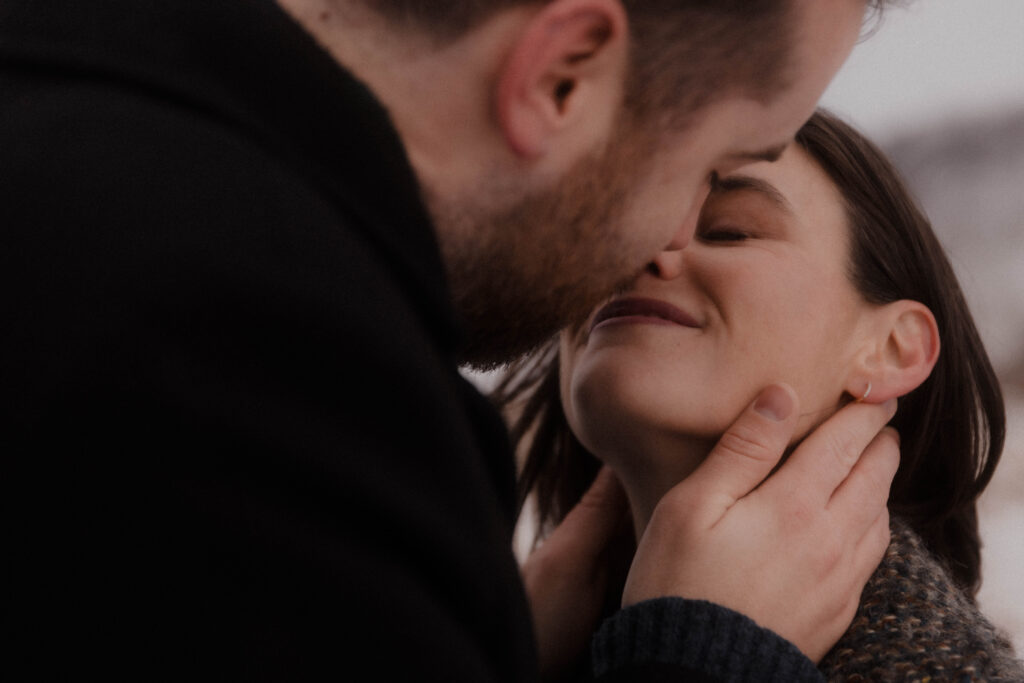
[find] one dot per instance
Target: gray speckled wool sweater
(915, 624)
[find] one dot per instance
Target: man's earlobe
(906, 350)
(562, 80)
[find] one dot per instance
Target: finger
(825, 458)
(594, 520)
(871, 548)
(746, 453)
(864, 494)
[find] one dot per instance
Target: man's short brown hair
(685, 52)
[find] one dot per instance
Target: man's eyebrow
(771, 154)
(738, 183)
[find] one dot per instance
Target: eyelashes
(724, 235)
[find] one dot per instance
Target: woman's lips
(652, 309)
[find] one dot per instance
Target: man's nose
(668, 264)
(683, 235)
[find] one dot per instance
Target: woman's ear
(561, 86)
(901, 354)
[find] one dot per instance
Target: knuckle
(841, 444)
(877, 477)
(678, 508)
(546, 569)
(593, 502)
(799, 512)
(746, 444)
(830, 554)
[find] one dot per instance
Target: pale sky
(931, 60)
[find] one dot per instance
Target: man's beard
(521, 272)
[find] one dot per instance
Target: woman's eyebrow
(737, 183)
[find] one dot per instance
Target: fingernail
(895, 434)
(775, 403)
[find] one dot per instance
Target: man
(248, 244)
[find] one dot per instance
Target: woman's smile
(641, 310)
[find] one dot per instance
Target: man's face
(544, 259)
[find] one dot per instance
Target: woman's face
(760, 295)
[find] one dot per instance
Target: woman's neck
(650, 470)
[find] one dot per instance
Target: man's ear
(561, 86)
(900, 355)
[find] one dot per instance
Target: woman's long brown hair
(952, 427)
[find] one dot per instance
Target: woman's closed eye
(723, 234)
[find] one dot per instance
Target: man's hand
(568, 576)
(794, 553)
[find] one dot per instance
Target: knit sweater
(712, 644)
(915, 624)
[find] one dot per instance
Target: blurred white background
(940, 85)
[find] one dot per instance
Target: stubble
(524, 269)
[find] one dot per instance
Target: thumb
(746, 453)
(595, 519)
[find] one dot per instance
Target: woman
(818, 271)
